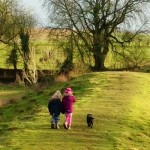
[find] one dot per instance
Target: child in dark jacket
(67, 104)
(55, 107)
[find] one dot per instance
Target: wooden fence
(10, 74)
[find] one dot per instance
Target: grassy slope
(119, 102)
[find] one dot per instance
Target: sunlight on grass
(119, 102)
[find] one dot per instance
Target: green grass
(119, 102)
(11, 93)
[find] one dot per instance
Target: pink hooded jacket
(68, 101)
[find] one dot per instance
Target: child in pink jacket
(68, 101)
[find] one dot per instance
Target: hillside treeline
(96, 43)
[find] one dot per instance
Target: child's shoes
(52, 125)
(57, 125)
(65, 125)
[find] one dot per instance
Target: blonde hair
(56, 95)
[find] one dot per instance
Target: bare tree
(95, 23)
(9, 30)
(15, 23)
(26, 23)
(7, 21)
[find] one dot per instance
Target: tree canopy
(95, 23)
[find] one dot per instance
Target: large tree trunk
(25, 49)
(26, 58)
(100, 51)
(97, 53)
(99, 60)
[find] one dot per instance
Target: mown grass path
(119, 101)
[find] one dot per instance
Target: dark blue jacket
(54, 107)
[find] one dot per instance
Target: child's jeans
(55, 119)
(68, 119)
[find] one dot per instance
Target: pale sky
(35, 6)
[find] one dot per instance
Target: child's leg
(69, 120)
(66, 120)
(52, 121)
(57, 118)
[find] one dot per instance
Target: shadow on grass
(108, 111)
(29, 105)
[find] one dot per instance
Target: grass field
(119, 102)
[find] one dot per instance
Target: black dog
(89, 120)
